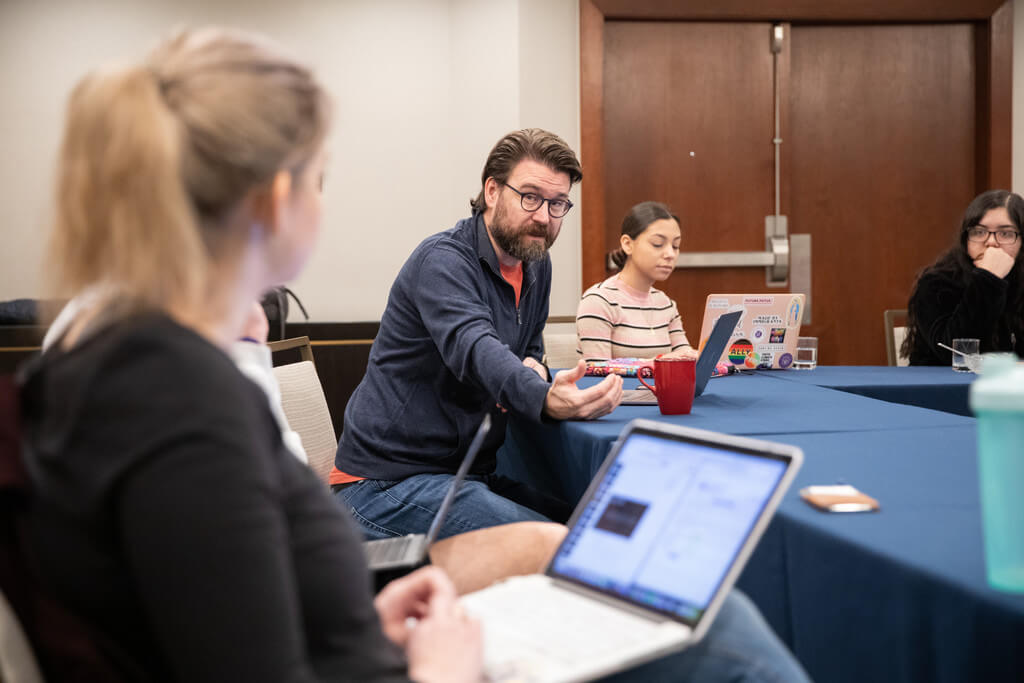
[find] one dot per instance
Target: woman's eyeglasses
(1003, 235)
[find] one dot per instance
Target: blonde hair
(157, 155)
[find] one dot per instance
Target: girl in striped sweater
(624, 316)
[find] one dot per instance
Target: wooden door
(881, 165)
(889, 129)
(688, 121)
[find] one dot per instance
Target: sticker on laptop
(793, 312)
(739, 350)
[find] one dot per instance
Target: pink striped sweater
(616, 321)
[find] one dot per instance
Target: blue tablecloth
(898, 595)
(937, 388)
(562, 458)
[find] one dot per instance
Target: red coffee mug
(673, 384)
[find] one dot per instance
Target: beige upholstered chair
(894, 335)
(300, 343)
(17, 662)
(305, 406)
(560, 350)
(560, 342)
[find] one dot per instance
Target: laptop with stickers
(653, 548)
(766, 335)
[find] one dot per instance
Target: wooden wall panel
(799, 10)
(960, 150)
(592, 141)
(881, 149)
(688, 116)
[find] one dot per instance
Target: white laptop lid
(766, 334)
(672, 516)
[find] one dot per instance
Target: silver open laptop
(653, 548)
(410, 551)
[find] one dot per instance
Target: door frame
(993, 28)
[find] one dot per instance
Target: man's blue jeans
(396, 508)
(739, 646)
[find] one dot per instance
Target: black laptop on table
(392, 557)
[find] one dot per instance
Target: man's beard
(515, 243)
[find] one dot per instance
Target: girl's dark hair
(636, 221)
(955, 262)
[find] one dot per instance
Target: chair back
(17, 662)
(560, 350)
(67, 647)
(305, 408)
(300, 343)
(894, 336)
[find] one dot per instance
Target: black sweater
(946, 308)
(170, 516)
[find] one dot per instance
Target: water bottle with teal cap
(997, 399)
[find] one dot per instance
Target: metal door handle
(775, 258)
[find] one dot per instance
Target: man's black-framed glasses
(531, 201)
(979, 233)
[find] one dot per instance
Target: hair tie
(162, 84)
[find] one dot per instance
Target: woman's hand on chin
(995, 261)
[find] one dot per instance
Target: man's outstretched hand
(566, 401)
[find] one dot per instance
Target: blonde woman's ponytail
(123, 215)
(156, 158)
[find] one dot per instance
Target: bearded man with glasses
(976, 289)
(461, 338)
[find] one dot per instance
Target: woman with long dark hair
(975, 290)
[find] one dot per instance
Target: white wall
(423, 89)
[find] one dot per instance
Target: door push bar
(775, 258)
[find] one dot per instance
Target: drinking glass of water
(965, 350)
(806, 353)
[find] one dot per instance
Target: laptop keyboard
(389, 549)
(532, 635)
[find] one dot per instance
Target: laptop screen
(667, 521)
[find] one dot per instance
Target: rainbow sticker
(739, 351)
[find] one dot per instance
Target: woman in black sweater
(976, 289)
(167, 513)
